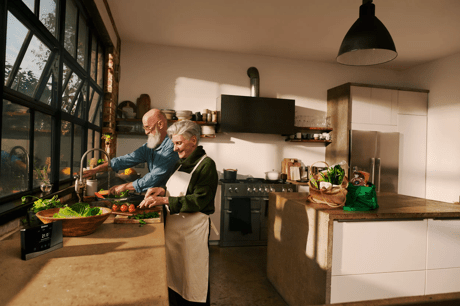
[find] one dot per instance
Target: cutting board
(124, 219)
(137, 211)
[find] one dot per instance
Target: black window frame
(56, 44)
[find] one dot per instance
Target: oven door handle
(228, 211)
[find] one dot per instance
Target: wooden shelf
(169, 121)
(322, 129)
(327, 142)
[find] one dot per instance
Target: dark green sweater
(202, 188)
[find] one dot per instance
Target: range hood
(254, 114)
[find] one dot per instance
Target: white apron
(187, 253)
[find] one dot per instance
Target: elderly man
(157, 152)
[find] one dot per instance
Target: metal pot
(230, 174)
(272, 175)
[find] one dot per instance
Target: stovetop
(253, 180)
(254, 187)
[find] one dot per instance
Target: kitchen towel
(240, 216)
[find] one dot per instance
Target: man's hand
(101, 168)
(89, 173)
(115, 190)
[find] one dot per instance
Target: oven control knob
(235, 189)
(289, 189)
(249, 189)
(267, 189)
(272, 189)
(255, 189)
(261, 189)
(283, 189)
(230, 189)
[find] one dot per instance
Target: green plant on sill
(43, 204)
(42, 175)
(99, 162)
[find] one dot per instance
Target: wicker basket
(333, 197)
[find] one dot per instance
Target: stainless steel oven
(244, 210)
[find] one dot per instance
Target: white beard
(153, 141)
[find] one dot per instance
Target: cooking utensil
(230, 174)
(272, 175)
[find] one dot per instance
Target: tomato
(115, 207)
(124, 208)
(132, 208)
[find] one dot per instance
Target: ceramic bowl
(78, 226)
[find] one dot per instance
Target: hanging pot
(230, 174)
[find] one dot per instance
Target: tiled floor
(239, 277)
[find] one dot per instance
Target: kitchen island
(118, 264)
(321, 255)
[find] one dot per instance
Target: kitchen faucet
(80, 182)
(27, 160)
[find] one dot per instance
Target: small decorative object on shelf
(143, 105)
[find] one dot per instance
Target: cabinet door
(443, 244)
(442, 281)
(412, 103)
(361, 104)
(350, 288)
(378, 246)
(412, 155)
(374, 106)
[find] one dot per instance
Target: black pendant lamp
(367, 42)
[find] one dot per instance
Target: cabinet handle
(255, 211)
(228, 211)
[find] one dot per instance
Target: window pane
(93, 57)
(48, 15)
(15, 146)
(66, 142)
(30, 4)
(80, 106)
(97, 118)
(100, 66)
(77, 149)
(92, 109)
(70, 26)
(42, 148)
(31, 68)
(82, 42)
(71, 91)
(16, 33)
(47, 94)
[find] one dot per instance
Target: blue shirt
(160, 162)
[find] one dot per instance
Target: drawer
(442, 281)
(350, 288)
(378, 246)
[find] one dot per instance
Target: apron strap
(196, 166)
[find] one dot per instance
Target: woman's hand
(153, 201)
(154, 192)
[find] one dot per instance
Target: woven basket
(334, 197)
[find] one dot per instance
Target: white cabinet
(385, 259)
(443, 259)
(364, 287)
(378, 246)
(412, 103)
(412, 155)
(377, 259)
(375, 106)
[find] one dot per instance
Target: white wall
(184, 78)
(442, 78)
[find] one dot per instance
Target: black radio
(41, 239)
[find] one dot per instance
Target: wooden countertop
(390, 206)
(121, 264)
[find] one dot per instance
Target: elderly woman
(189, 197)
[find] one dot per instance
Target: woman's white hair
(185, 128)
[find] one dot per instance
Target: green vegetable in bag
(361, 198)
